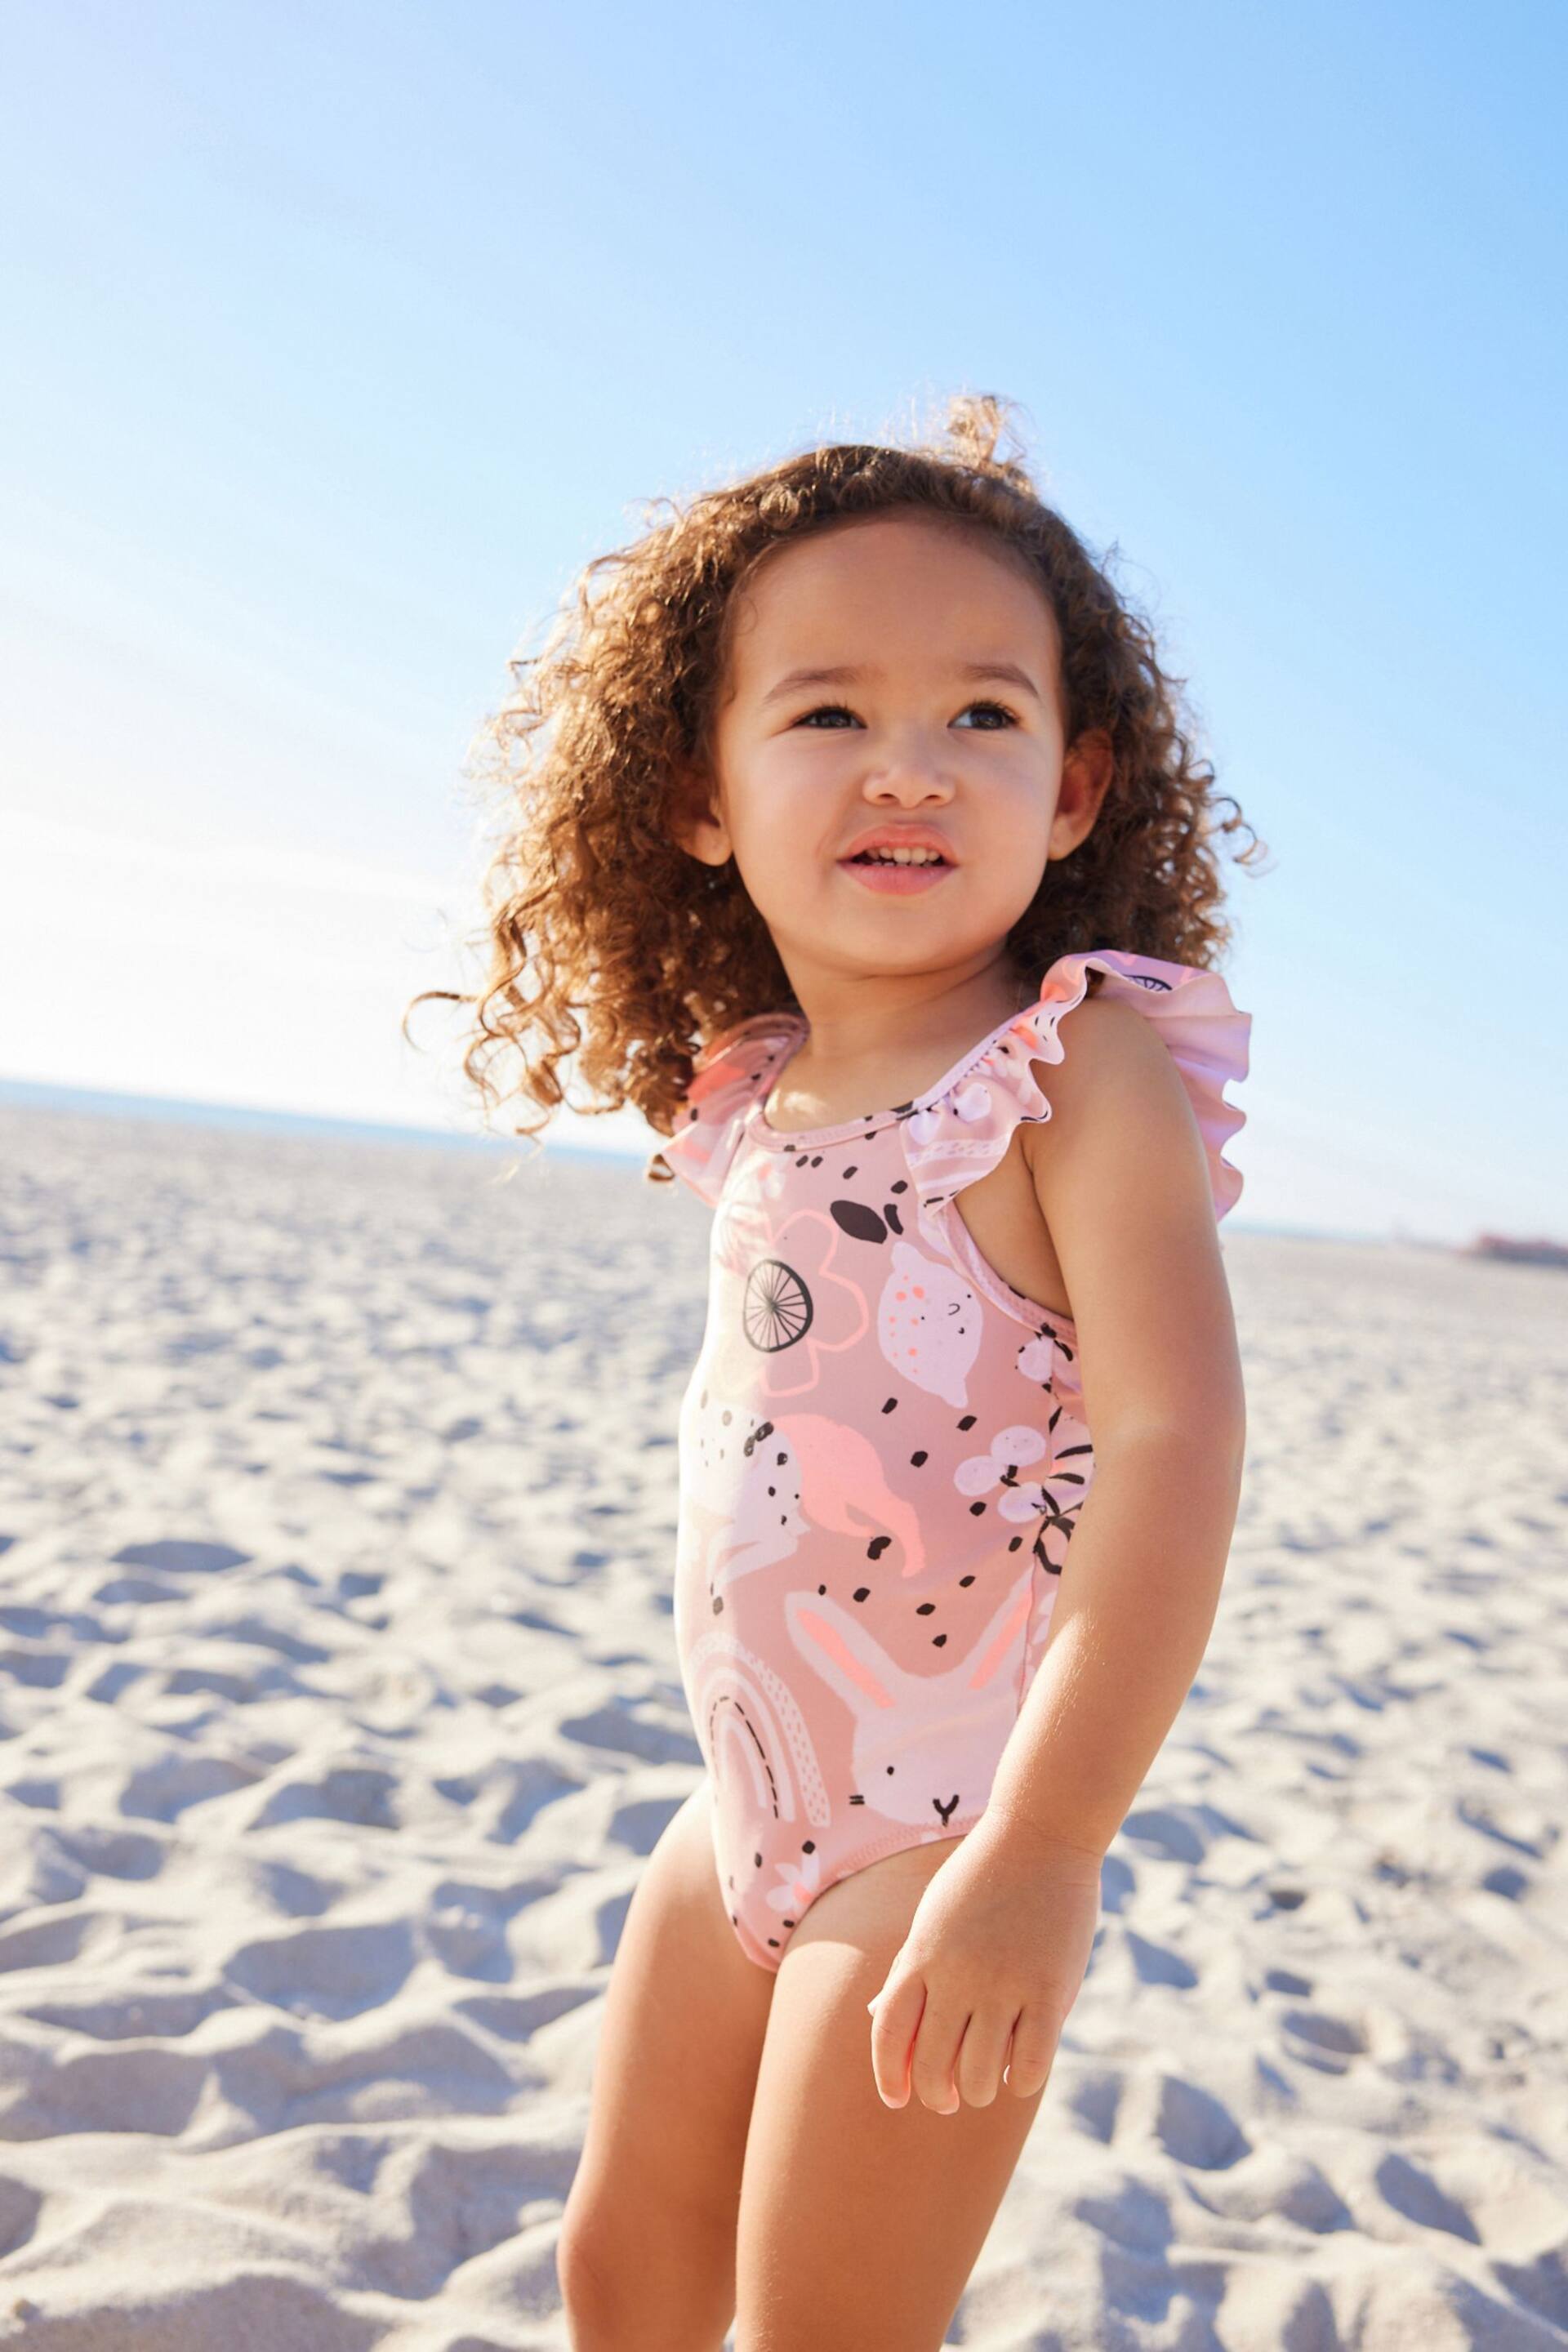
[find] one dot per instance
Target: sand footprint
(1414, 2193)
(1156, 1964)
(1195, 2128)
(1319, 2040)
(1287, 1980)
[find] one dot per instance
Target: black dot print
(858, 1220)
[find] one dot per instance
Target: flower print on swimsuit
(804, 1294)
(1066, 1483)
(783, 1285)
(1012, 1450)
(798, 1304)
(799, 1883)
(1049, 1360)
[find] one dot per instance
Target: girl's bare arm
(1121, 1180)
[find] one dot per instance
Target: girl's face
(941, 718)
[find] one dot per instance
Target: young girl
(871, 851)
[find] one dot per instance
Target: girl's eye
(838, 710)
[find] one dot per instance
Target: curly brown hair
(609, 942)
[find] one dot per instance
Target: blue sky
(340, 337)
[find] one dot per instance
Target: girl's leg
(859, 2223)
(646, 2253)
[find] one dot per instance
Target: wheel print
(777, 1309)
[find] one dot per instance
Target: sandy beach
(339, 1709)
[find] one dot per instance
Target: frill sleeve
(956, 1138)
(726, 1075)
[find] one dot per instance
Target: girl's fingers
(895, 2020)
(935, 2059)
(1033, 2048)
(949, 2059)
(980, 2057)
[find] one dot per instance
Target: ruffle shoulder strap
(953, 1140)
(726, 1075)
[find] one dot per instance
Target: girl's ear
(1087, 774)
(695, 819)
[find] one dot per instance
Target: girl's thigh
(859, 2223)
(646, 2248)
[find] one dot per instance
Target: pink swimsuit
(883, 1448)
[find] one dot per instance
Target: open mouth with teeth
(896, 858)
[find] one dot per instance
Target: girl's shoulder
(957, 1138)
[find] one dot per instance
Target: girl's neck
(896, 1055)
(844, 1034)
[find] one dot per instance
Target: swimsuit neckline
(793, 1028)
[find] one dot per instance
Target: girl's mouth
(893, 880)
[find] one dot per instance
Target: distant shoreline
(25, 1094)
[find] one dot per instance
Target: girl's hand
(992, 1963)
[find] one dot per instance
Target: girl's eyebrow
(856, 674)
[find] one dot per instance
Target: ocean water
(27, 1094)
(172, 1109)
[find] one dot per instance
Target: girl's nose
(911, 762)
